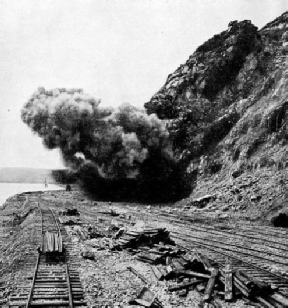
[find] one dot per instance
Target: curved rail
(273, 243)
(38, 271)
(33, 282)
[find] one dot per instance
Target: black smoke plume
(116, 153)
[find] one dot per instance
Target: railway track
(271, 246)
(219, 256)
(253, 249)
(55, 281)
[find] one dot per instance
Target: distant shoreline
(8, 190)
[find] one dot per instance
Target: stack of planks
(158, 254)
(149, 236)
(51, 242)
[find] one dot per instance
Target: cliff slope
(227, 112)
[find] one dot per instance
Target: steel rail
(237, 246)
(208, 247)
(173, 217)
(56, 222)
(180, 222)
(225, 254)
(71, 304)
(192, 228)
(33, 282)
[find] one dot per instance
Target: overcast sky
(119, 51)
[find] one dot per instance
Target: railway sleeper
(46, 289)
(279, 298)
(56, 303)
(50, 280)
(18, 298)
(264, 277)
(50, 285)
(55, 287)
(54, 270)
(18, 294)
(17, 304)
(50, 294)
(50, 271)
(50, 297)
(58, 286)
(57, 291)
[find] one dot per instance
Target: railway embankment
(104, 276)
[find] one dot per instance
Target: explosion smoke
(108, 144)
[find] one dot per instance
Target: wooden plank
(156, 272)
(210, 284)
(53, 286)
(56, 303)
(54, 296)
(56, 239)
(244, 279)
(279, 298)
(138, 274)
(183, 262)
(60, 242)
(163, 271)
(177, 265)
(241, 287)
(264, 302)
(205, 261)
(192, 274)
(261, 286)
(184, 285)
(228, 276)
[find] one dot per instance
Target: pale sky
(116, 50)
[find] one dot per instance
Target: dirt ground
(106, 279)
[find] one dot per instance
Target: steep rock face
(227, 106)
(213, 66)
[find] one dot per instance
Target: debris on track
(133, 238)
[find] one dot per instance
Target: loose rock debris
(113, 274)
(182, 272)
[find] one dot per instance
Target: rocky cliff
(227, 110)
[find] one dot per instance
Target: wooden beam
(138, 274)
(157, 272)
(228, 276)
(210, 284)
(184, 285)
(192, 274)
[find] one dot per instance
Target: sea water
(9, 189)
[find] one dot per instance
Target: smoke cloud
(103, 145)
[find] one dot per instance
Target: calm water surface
(9, 189)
